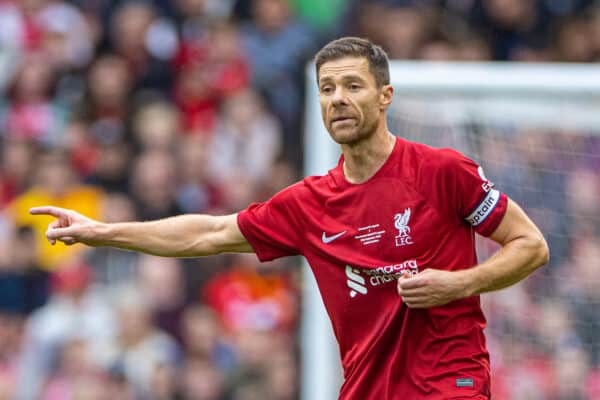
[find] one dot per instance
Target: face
(352, 106)
(109, 80)
(270, 14)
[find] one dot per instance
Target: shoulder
(295, 190)
(304, 196)
(432, 156)
(308, 187)
(427, 160)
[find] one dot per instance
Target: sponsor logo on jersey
(355, 282)
(328, 239)
(360, 279)
(484, 209)
(486, 185)
(401, 223)
(397, 269)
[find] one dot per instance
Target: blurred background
(137, 110)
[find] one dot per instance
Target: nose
(339, 96)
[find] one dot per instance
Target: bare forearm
(524, 249)
(511, 264)
(181, 236)
(188, 235)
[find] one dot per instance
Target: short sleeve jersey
(420, 210)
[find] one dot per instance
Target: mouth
(341, 120)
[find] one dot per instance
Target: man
(389, 234)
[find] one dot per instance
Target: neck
(363, 159)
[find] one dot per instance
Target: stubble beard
(353, 135)
(347, 136)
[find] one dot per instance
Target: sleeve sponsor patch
(487, 185)
(484, 209)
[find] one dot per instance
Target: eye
(327, 89)
(354, 86)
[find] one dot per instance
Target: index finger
(48, 210)
(411, 283)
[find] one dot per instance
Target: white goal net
(536, 131)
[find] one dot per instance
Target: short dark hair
(357, 47)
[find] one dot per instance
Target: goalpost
(536, 130)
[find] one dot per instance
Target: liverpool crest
(401, 223)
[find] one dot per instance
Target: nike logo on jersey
(328, 239)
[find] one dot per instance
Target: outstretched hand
(431, 288)
(70, 227)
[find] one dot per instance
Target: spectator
(229, 67)
(474, 48)
(140, 348)
(16, 165)
(11, 332)
(24, 287)
(282, 379)
(204, 338)
(112, 266)
(406, 30)
(54, 182)
(584, 294)
(252, 385)
(67, 39)
(193, 19)
(105, 108)
(75, 309)
(595, 32)
(31, 112)
(198, 192)
(194, 97)
(583, 187)
(574, 41)
(145, 41)
(437, 50)
(512, 25)
(571, 368)
(209, 69)
(164, 383)
(74, 375)
(153, 185)
(156, 126)
(23, 30)
(365, 18)
(117, 386)
(161, 280)
(277, 46)
(14, 33)
(246, 300)
(247, 140)
(111, 166)
(201, 380)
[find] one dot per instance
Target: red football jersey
(420, 210)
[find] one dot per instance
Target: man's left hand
(430, 288)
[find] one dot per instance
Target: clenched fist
(431, 287)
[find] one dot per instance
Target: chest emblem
(328, 239)
(369, 234)
(401, 221)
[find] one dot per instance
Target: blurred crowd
(137, 110)
(544, 335)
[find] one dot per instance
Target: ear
(385, 96)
